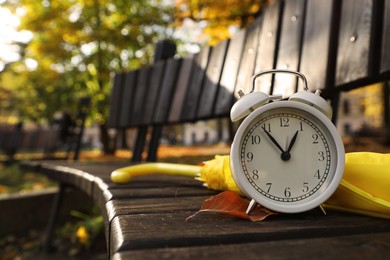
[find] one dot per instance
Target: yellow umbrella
(364, 189)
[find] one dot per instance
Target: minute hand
(274, 141)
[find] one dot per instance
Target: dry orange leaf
(230, 203)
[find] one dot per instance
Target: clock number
(301, 126)
(249, 157)
(266, 127)
(305, 187)
(287, 192)
(284, 122)
(255, 139)
(255, 174)
(315, 138)
(269, 184)
(317, 174)
(321, 156)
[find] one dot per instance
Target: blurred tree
(75, 46)
(218, 17)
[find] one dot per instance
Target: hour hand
(292, 142)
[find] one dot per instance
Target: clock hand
(273, 140)
(286, 155)
(292, 142)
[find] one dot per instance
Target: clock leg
(251, 206)
(322, 209)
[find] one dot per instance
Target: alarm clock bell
(249, 102)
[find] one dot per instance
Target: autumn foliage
(220, 17)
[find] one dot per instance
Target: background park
(55, 53)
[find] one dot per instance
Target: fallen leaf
(230, 203)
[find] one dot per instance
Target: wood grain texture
(182, 85)
(153, 205)
(367, 246)
(198, 73)
(165, 96)
(147, 218)
(289, 47)
(354, 41)
(130, 232)
(268, 45)
(153, 192)
(247, 66)
(229, 74)
(128, 98)
(116, 100)
(318, 40)
(385, 54)
(153, 91)
(212, 80)
(140, 95)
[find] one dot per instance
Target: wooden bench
(60, 135)
(338, 46)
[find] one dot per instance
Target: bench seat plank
(367, 246)
(133, 206)
(153, 192)
(170, 229)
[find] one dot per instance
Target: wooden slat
(51, 140)
(153, 91)
(153, 205)
(116, 100)
(212, 79)
(367, 246)
(385, 55)
(170, 229)
(166, 93)
(182, 85)
(128, 98)
(71, 176)
(267, 47)
(198, 73)
(290, 46)
(140, 95)
(152, 192)
(247, 66)
(27, 137)
(355, 48)
(229, 74)
(319, 43)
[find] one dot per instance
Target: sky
(9, 34)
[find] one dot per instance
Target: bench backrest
(336, 45)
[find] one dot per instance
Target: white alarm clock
(286, 155)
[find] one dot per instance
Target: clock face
(286, 157)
